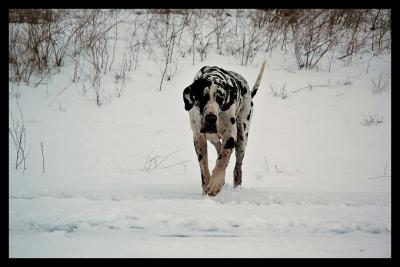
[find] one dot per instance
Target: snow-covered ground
(309, 173)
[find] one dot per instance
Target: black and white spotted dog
(220, 107)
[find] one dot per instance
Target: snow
(308, 173)
(245, 223)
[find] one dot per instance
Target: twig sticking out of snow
(59, 93)
(381, 176)
(154, 162)
(279, 170)
(311, 86)
(41, 146)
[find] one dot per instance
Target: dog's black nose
(211, 118)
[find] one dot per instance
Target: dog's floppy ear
(188, 98)
(194, 92)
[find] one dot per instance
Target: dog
(220, 108)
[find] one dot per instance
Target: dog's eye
(220, 94)
(219, 97)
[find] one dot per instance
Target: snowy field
(316, 180)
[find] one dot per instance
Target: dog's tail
(255, 87)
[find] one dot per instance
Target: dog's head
(211, 96)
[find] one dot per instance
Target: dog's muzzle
(210, 124)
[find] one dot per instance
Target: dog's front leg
(200, 145)
(217, 179)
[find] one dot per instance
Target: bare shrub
(286, 18)
(219, 21)
(314, 35)
(374, 119)
(166, 31)
(18, 136)
(200, 41)
(96, 46)
(37, 42)
(41, 40)
(195, 25)
(253, 30)
(203, 46)
(380, 27)
(95, 78)
(380, 84)
(279, 92)
(97, 36)
(120, 76)
(18, 70)
(195, 29)
(38, 45)
(346, 32)
(138, 37)
(356, 33)
(365, 30)
(31, 16)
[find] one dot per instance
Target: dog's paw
(215, 185)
